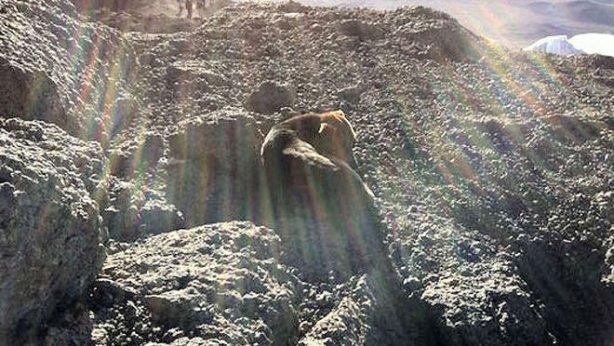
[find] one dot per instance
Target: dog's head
(336, 137)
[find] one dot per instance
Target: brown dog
(323, 209)
(325, 214)
(313, 153)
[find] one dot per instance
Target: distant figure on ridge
(189, 6)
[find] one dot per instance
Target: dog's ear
(339, 117)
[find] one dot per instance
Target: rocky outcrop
(270, 97)
(50, 240)
(62, 70)
(214, 168)
(31, 95)
(434, 35)
(137, 157)
(221, 283)
(225, 283)
(468, 148)
(362, 30)
(363, 312)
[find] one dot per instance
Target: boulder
(350, 94)
(219, 283)
(30, 95)
(85, 159)
(364, 312)
(214, 168)
(136, 157)
(50, 239)
(495, 308)
(270, 97)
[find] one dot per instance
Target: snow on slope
(594, 43)
(556, 45)
(602, 44)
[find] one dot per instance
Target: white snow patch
(555, 45)
(594, 43)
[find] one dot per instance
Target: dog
(323, 209)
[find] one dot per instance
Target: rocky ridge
(492, 170)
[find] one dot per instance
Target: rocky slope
(492, 169)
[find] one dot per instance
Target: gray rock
(350, 94)
(129, 214)
(346, 324)
(477, 311)
(270, 97)
(188, 74)
(221, 283)
(136, 157)
(435, 35)
(86, 159)
(30, 95)
(126, 109)
(71, 327)
(365, 315)
(293, 7)
(50, 242)
(290, 21)
(214, 168)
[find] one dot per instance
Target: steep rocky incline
(492, 167)
(493, 172)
